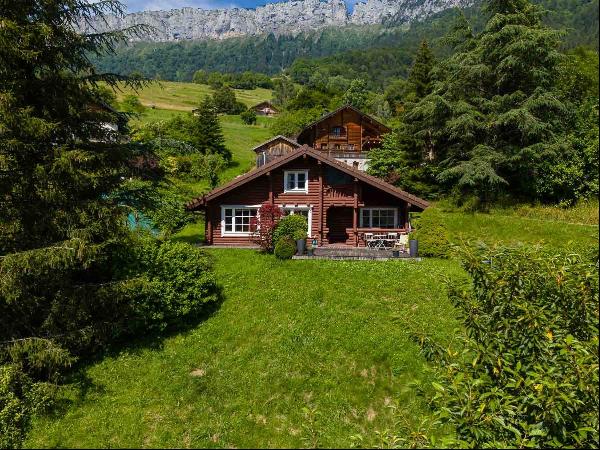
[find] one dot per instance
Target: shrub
(132, 104)
(20, 399)
(299, 234)
(248, 117)
(291, 226)
(180, 282)
(264, 225)
(208, 167)
(528, 372)
(432, 234)
(167, 213)
(153, 286)
(285, 248)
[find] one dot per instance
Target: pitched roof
(279, 136)
(268, 103)
(378, 124)
(306, 150)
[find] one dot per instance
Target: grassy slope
(186, 96)
(510, 229)
(289, 336)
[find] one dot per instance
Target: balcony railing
(350, 155)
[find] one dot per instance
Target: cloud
(154, 5)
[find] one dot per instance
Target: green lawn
(186, 96)
(512, 229)
(300, 354)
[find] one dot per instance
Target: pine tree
(494, 114)
(205, 131)
(407, 158)
(60, 233)
(420, 76)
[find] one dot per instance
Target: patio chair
(369, 241)
(380, 241)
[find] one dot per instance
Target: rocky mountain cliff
(290, 17)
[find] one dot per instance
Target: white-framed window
(296, 181)
(236, 219)
(379, 217)
(304, 210)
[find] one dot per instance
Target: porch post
(271, 199)
(406, 210)
(207, 226)
(320, 203)
(355, 213)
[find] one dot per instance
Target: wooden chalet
(345, 134)
(339, 202)
(273, 149)
(320, 175)
(265, 108)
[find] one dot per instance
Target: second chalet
(320, 174)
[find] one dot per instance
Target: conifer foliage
(205, 130)
(498, 116)
(68, 283)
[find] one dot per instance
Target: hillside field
(171, 95)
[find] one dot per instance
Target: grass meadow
(300, 354)
(171, 95)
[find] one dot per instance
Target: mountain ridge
(284, 18)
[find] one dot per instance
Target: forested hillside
(269, 54)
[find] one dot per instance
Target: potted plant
(300, 238)
(413, 245)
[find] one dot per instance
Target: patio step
(354, 252)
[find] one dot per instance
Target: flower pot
(300, 246)
(413, 246)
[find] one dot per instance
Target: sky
(153, 5)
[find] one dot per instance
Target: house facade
(346, 134)
(265, 109)
(319, 174)
(340, 203)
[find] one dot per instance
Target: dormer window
(296, 181)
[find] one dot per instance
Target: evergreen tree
(494, 115)
(205, 130)
(406, 159)
(72, 279)
(59, 234)
(420, 76)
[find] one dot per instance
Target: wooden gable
(344, 130)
